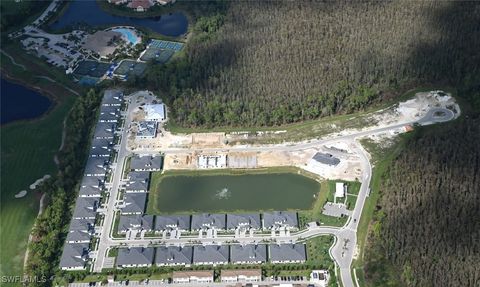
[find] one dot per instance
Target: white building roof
(339, 189)
(155, 112)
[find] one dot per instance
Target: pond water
(88, 12)
(246, 192)
(21, 103)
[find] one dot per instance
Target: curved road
(346, 240)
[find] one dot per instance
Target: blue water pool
(129, 34)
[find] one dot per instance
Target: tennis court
(92, 68)
(157, 54)
(128, 67)
(168, 45)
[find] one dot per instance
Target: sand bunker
(38, 181)
(21, 194)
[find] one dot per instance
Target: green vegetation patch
(315, 213)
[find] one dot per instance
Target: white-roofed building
(155, 112)
(340, 190)
(319, 277)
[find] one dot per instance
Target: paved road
(105, 236)
(343, 250)
(429, 118)
(257, 238)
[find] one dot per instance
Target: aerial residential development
(239, 143)
(117, 188)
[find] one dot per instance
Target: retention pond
(183, 193)
(21, 103)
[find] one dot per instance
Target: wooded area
(49, 232)
(270, 63)
(426, 228)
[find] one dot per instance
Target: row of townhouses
(210, 255)
(137, 184)
(226, 276)
(93, 185)
(247, 221)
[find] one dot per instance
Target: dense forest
(426, 230)
(277, 62)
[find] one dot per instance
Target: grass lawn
(317, 251)
(28, 148)
(27, 154)
(315, 214)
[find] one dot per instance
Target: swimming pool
(129, 34)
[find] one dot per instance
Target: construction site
(335, 160)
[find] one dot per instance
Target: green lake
(245, 192)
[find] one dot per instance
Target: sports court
(168, 45)
(92, 68)
(130, 67)
(160, 50)
(157, 54)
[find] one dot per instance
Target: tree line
(277, 62)
(51, 227)
(426, 228)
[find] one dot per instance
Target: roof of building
(102, 143)
(104, 130)
(210, 253)
(208, 220)
(112, 97)
(326, 158)
(138, 181)
(74, 255)
(96, 165)
(250, 220)
(99, 152)
(288, 252)
(145, 4)
(280, 218)
(78, 235)
(107, 117)
(110, 110)
(339, 189)
(135, 256)
(174, 255)
(154, 112)
(241, 272)
(135, 222)
(100, 42)
(82, 224)
(134, 203)
(89, 190)
(163, 222)
(86, 207)
(147, 129)
(146, 162)
(248, 253)
(95, 181)
(188, 274)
